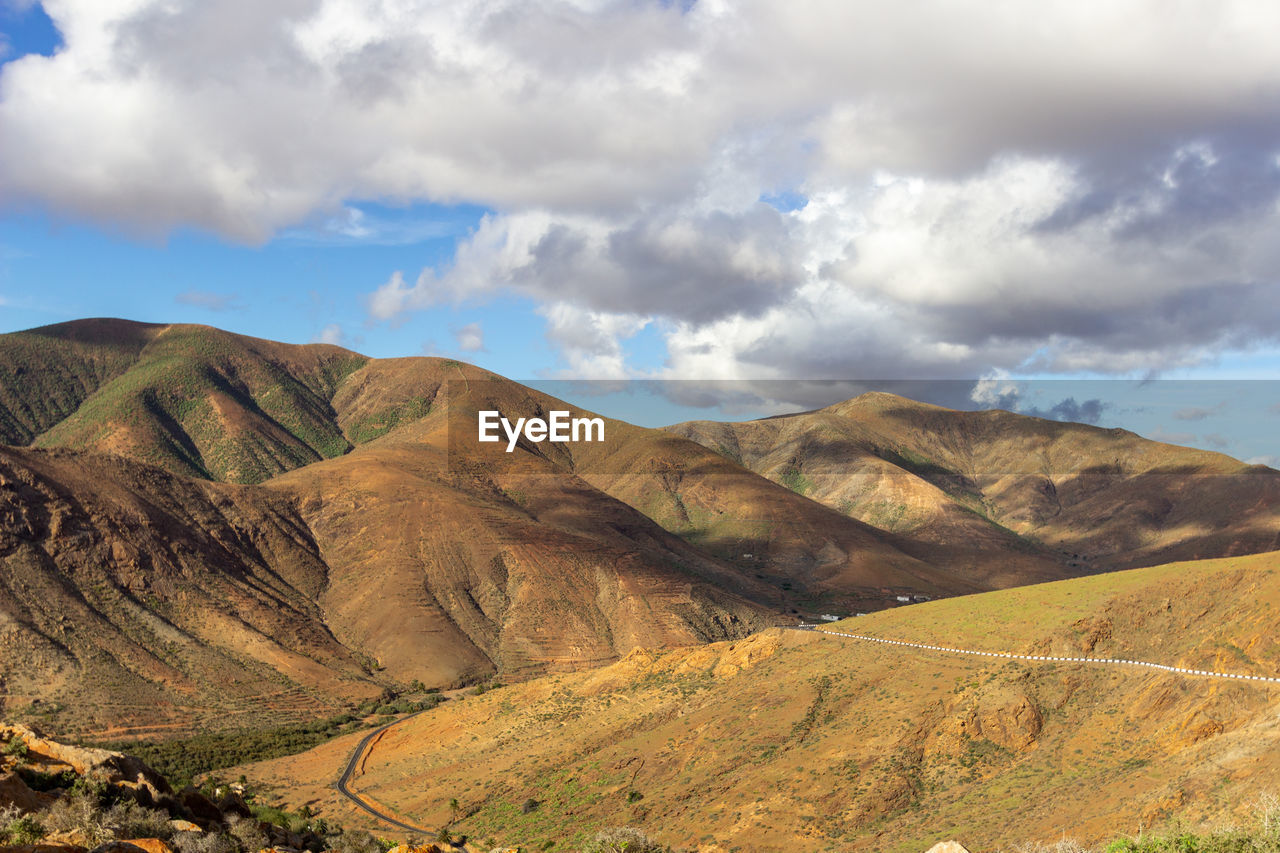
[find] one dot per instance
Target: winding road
(353, 764)
(1047, 658)
(350, 771)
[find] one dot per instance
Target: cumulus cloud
(330, 334)
(470, 338)
(1095, 192)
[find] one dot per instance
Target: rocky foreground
(56, 798)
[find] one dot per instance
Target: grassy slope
(206, 403)
(796, 741)
(47, 373)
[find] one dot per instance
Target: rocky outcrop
(115, 768)
(14, 793)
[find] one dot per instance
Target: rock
(184, 825)
(948, 847)
(410, 848)
(116, 768)
(200, 806)
(15, 792)
(67, 838)
(232, 803)
(134, 845)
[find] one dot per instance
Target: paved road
(350, 771)
(1048, 658)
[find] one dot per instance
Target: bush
(17, 747)
(23, 830)
(625, 839)
(87, 811)
(38, 780)
(355, 841)
(205, 842)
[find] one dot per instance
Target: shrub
(17, 747)
(624, 839)
(205, 842)
(24, 830)
(248, 833)
(354, 841)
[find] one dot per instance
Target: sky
(1051, 208)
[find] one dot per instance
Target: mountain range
(199, 528)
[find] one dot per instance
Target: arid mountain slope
(790, 740)
(445, 566)
(962, 482)
(132, 600)
(129, 585)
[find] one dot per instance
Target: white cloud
(330, 334)
(1089, 188)
(470, 338)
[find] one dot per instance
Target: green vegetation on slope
(46, 373)
(207, 403)
(184, 760)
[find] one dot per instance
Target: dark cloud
(1085, 412)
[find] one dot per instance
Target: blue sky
(699, 191)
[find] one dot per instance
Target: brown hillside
(132, 600)
(959, 486)
(195, 400)
(797, 741)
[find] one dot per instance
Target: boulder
(15, 792)
(232, 803)
(201, 808)
(184, 825)
(948, 847)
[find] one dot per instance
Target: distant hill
(790, 740)
(195, 400)
(192, 521)
(958, 487)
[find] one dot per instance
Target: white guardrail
(1047, 658)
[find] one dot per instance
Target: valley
(206, 537)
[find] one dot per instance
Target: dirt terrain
(794, 740)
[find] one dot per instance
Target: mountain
(137, 585)
(136, 601)
(976, 484)
(193, 522)
(195, 400)
(793, 740)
